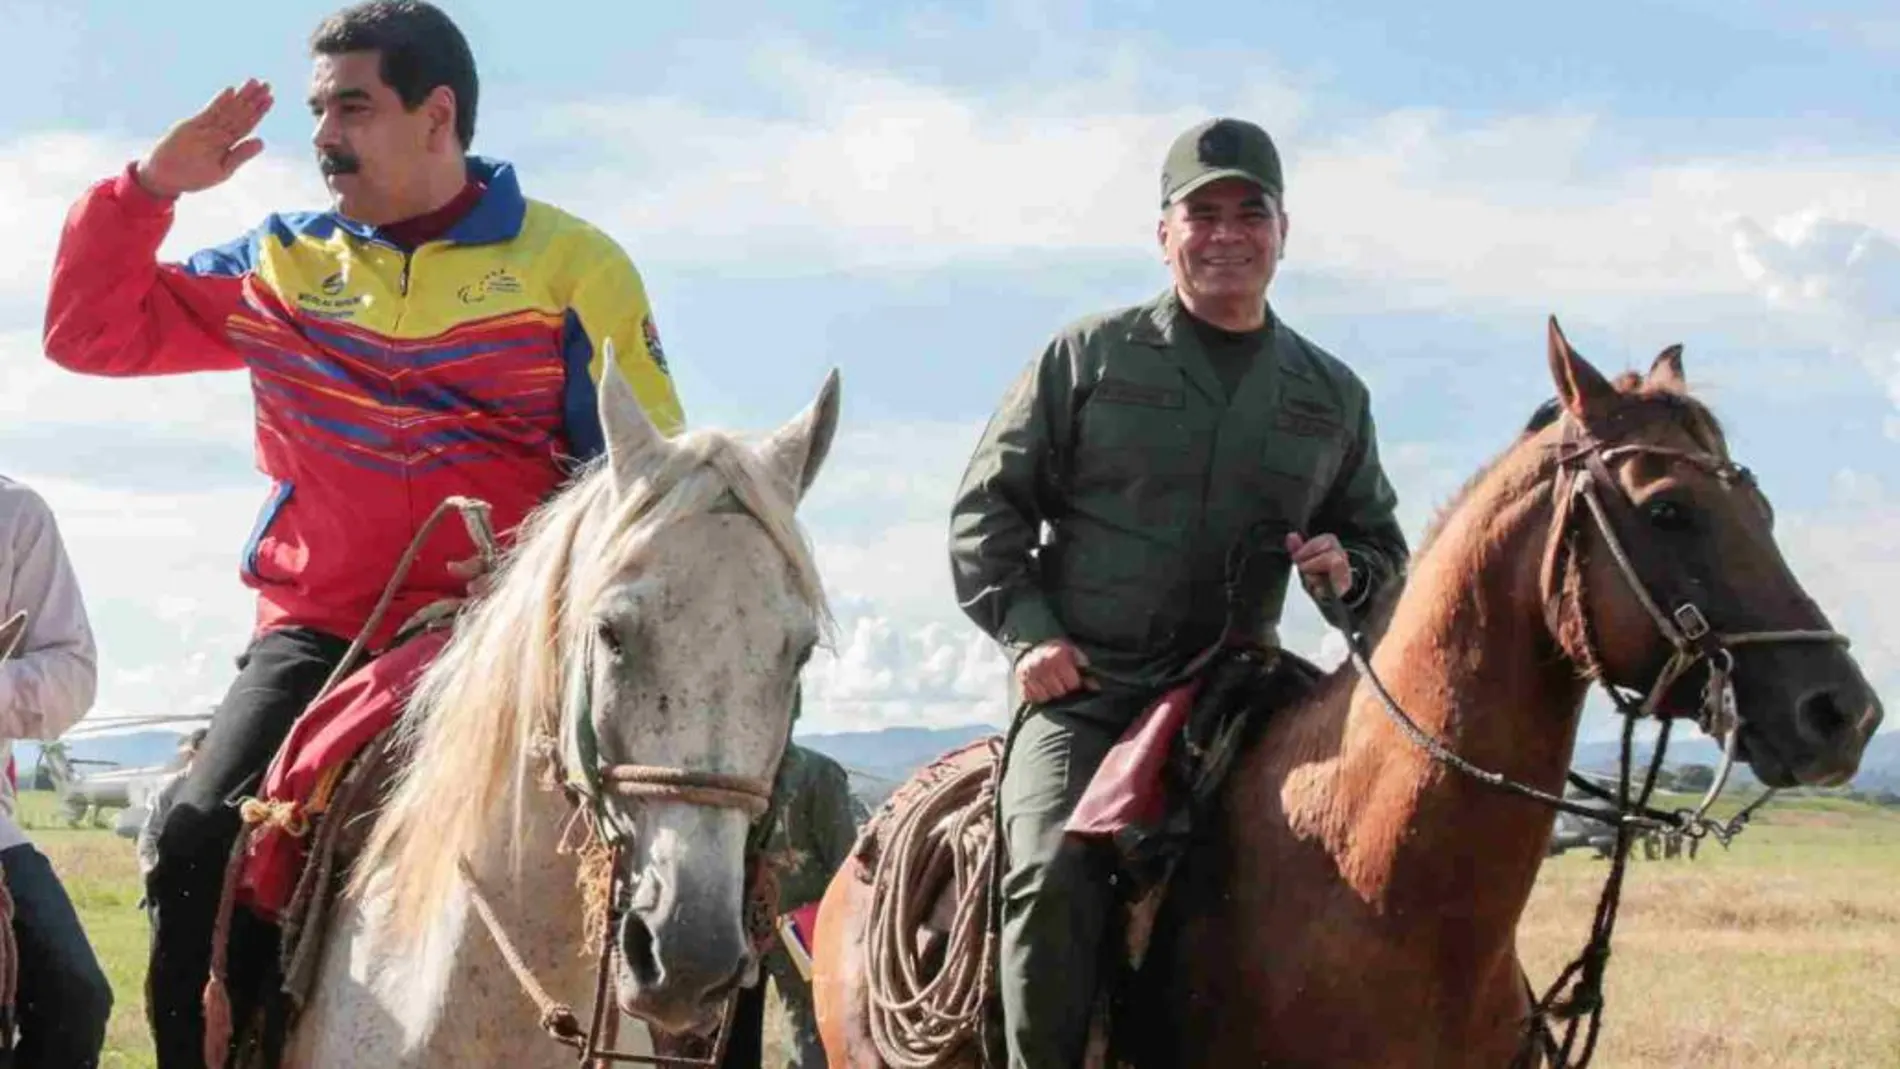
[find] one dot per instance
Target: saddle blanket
(1129, 790)
(324, 741)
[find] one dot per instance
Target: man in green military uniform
(1142, 495)
(815, 827)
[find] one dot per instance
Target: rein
(589, 783)
(1583, 476)
(595, 1042)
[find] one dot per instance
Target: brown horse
(1357, 903)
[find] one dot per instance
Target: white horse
(656, 613)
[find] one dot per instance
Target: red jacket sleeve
(113, 309)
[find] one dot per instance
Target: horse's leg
(840, 988)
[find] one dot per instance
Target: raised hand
(209, 147)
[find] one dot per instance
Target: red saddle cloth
(323, 742)
(799, 931)
(1127, 790)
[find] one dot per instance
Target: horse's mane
(480, 724)
(1646, 400)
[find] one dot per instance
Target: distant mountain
(1879, 766)
(894, 751)
(879, 761)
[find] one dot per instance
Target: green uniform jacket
(817, 824)
(1121, 439)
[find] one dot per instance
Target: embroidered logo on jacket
(497, 281)
(330, 302)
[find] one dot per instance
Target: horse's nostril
(636, 948)
(1821, 716)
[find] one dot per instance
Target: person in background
(161, 801)
(817, 823)
(47, 683)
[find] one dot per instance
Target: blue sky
(921, 194)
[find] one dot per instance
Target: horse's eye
(1668, 515)
(608, 638)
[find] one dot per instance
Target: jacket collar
(1159, 321)
(497, 217)
(1163, 322)
(1163, 326)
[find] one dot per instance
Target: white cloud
(884, 673)
(42, 175)
(1845, 558)
(880, 519)
(1842, 279)
(868, 169)
(159, 575)
(148, 477)
(213, 407)
(1868, 30)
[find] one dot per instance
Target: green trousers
(1056, 897)
(798, 1021)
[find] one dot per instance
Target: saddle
(1153, 793)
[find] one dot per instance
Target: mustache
(335, 163)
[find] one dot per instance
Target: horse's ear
(1582, 388)
(633, 442)
(10, 633)
(1666, 372)
(797, 450)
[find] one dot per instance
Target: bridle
(1583, 476)
(588, 790)
(1584, 492)
(590, 784)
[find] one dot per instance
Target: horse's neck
(459, 1001)
(539, 907)
(1468, 657)
(1350, 852)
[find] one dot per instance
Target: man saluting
(434, 333)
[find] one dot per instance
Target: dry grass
(101, 874)
(1784, 951)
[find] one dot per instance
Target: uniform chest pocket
(1129, 429)
(1306, 446)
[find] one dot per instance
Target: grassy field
(101, 873)
(1782, 951)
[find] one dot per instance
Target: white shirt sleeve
(50, 681)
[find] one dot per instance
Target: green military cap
(1217, 149)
